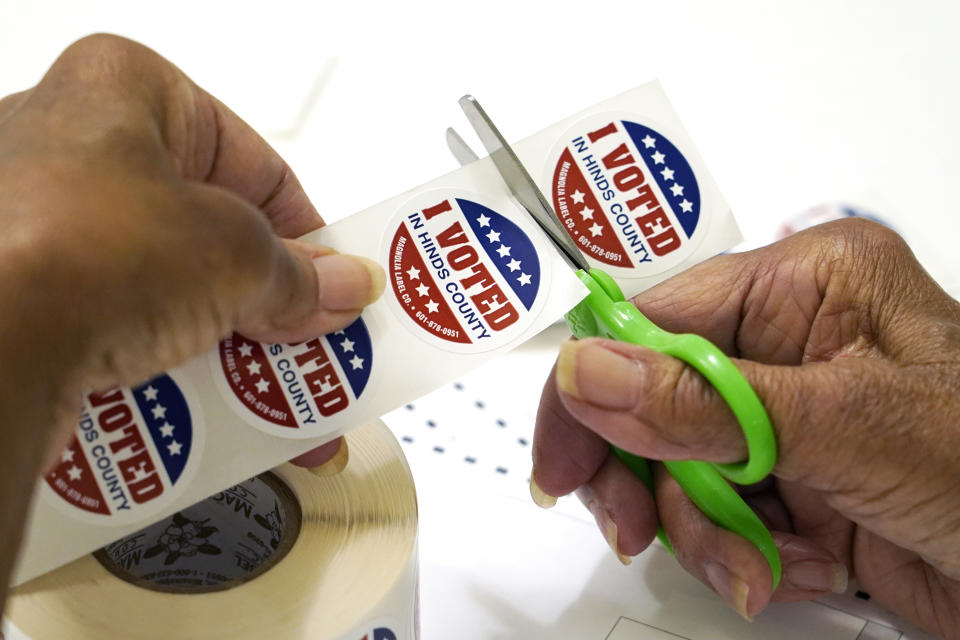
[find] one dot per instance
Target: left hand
(142, 221)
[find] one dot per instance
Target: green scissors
(606, 313)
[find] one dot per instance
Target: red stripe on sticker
(253, 381)
(583, 216)
(72, 479)
(417, 291)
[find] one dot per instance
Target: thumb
(658, 407)
(212, 266)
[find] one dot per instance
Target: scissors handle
(606, 313)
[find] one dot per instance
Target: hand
(855, 352)
(142, 221)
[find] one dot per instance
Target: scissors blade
(460, 149)
(521, 185)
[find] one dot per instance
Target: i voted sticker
(379, 633)
(627, 195)
(133, 449)
(463, 276)
(293, 390)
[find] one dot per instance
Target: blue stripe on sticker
(354, 351)
(509, 248)
(673, 174)
(167, 416)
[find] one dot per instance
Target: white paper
(494, 565)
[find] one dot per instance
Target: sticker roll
(288, 554)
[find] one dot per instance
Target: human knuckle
(103, 50)
(681, 394)
(862, 234)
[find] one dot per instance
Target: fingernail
(610, 532)
(567, 368)
(348, 282)
(607, 526)
(541, 498)
(589, 372)
(731, 588)
(814, 575)
(334, 465)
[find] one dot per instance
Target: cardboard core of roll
(219, 543)
(352, 564)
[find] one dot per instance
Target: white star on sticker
(513, 265)
(483, 220)
(347, 345)
(676, 189)
(432, 307)
(686, 205)
(159, 411)
(587, 213)
(649, 141)
(524, 278)
(667, 173)
(150, 393)
(503, 251)
(262, 385)
(356, 362)
(74, 472)
(254, 368)
(596, 230)
(339, 333)
(166, 431)
(658, 158)
(67, 455)
(577, 196)
(246, 350)
(174, 448)
(493, 236)
(423, 290)
(414, 273)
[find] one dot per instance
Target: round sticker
(463, 277)
(627, 196)
(132, 449)
(292, 390)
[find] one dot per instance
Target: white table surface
(789, 105)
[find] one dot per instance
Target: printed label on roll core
(132, 449)
(464, 277)
(627, 196)
(292, 390)
(223, 541)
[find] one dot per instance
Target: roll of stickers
(469, 276)
(823, 213)
(284, 555)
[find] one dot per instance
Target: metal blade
(460, 149)
(520, 183)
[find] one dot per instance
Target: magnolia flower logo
(184, 537)
(271, 523)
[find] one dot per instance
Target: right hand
(855, 353)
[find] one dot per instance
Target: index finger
(124, 92)
(235, 157)
(566, 454)
(757, 305)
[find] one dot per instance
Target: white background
(790, 105)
